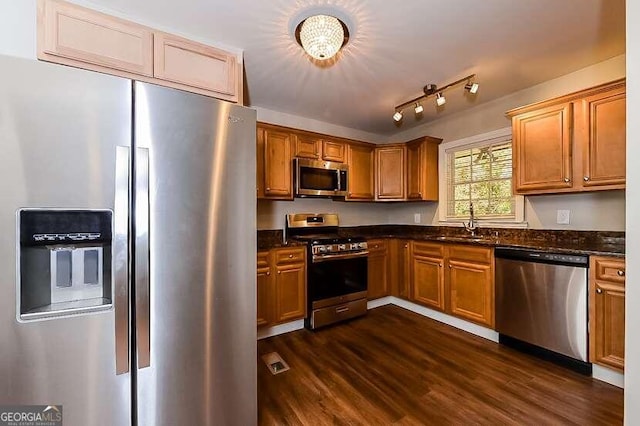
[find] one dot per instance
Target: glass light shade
(440, 100)
(321, 36)
(397, 116)
(472, 88)
(419, 109)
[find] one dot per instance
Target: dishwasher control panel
(537, 256)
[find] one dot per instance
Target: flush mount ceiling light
(431, 90)
(322, 36)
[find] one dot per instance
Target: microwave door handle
(121, 258)
(143, 320)
(339, 187)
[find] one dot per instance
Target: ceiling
(395, 49)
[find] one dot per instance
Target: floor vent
(275, 363)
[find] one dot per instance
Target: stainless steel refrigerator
(166, 334)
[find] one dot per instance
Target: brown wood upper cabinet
(408, 171)
(274, 177)
(607, 311)
(390, 172)
(281, 285)
(422, 169)
(76, 36)
(360, 185)
(315, 147)
(573, 143)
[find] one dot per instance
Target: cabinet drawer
(470, 253)
(83, 35)
(263, 259)
(377, 246)
(290, 255)
(609, 269)
(428, 249)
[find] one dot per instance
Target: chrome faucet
(471, 226)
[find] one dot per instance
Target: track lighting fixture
(431, 90)
(472, 87)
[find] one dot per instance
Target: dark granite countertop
(571, 242)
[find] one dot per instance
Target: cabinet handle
(567, 180)
(586, 178)
(598, 290)
(620, 273)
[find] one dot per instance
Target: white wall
(632, 354)
(18, 28)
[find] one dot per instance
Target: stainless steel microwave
(320, 178)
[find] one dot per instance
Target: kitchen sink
(463, 238)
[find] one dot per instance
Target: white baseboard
(608, 375)
(458, 323)
(376, 303)
(263, 333)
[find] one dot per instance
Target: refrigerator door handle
(121, 259)
(143, 334)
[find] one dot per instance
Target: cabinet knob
(406, 246)
(440, 264)
(268, 272)
(567, 180)
(279, 272)
(449, 266)
(598, 290)
(267, 189)
(621, 273)
(586, 178)
(420, 194)
(290, 256)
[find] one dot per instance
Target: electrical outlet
(564, 217)
(416, 218)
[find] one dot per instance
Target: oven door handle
(327, 257)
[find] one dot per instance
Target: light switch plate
(564, 217)
(416, 218)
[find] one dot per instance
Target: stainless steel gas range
(337, 269)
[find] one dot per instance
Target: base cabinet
(378, 269)
(607, 311)
(456, 279)
(399, 268)
(281, 285)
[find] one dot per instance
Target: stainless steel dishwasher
(541, 299)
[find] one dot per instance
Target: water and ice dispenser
(64, 262)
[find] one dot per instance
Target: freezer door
(200, 368)
(59, 129)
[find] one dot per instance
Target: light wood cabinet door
(264, 290)
(390, 173)
(278, 180)
(542, 144)
(360, 180)
(422, 169)
(333, 151)
(471, 291)
(427, 279)
(607, 311)
(187, 62)
(378, 269)
(290, 292)
(83, 36)
(603, 139)
(306, 146)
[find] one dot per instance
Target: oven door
(331, 279)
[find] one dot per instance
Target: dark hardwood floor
(397, 367)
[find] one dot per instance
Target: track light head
(418, 108)
(440, 100)
(472, 87)
(397, 116)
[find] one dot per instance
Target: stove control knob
(342, 247)
(322, 249)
